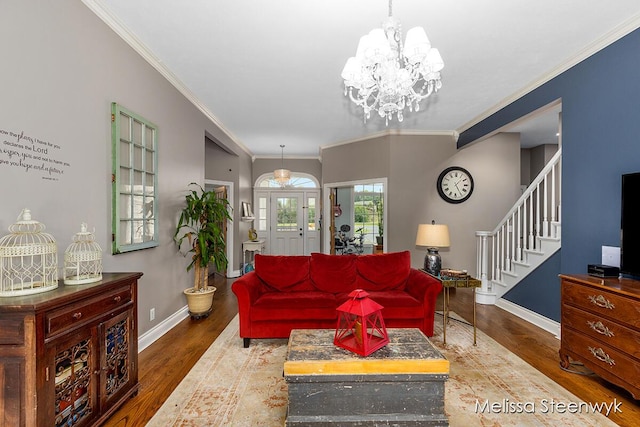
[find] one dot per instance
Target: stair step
(534, 252)
(521, 263)
(509, 273)
(498, 283)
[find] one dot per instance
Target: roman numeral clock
(455, 184)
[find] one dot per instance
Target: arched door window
(298, 180)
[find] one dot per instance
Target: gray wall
(412, 165)
(67, 68)
(222, 165)
(539, 158)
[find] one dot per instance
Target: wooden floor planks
(166, 362)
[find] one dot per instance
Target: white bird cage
(83, 259)
(28, 258)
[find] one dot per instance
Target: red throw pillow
(284, 273)
(383, 272)
(333, 273)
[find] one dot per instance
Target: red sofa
(303, 292)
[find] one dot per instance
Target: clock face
(455, 184)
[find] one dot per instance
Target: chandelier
(282, 175)
(386, 75)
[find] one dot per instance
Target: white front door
(294, 223)
(287, 224)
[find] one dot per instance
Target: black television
(630, 225)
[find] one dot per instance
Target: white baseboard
(149, 337)
(532, 317)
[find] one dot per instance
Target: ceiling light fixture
(385, 76)
(282, 175)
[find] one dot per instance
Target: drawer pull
(601, 301)
(600, 328)
(117, 299)
(77, 315)
(599, 354)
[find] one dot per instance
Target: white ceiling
(269, 71)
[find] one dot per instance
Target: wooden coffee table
(402, 384)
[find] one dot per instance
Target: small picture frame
(246, 210)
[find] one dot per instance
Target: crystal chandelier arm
(387, 76)
(361, 100)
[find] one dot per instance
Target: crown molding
(289, 157)
(614, 35)
(393, 132)
(119, 28)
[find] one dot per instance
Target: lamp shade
(282, 175)
(433, 236)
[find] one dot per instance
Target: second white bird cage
(83, 259)
(28, 258)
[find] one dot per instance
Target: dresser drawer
(601, 357)
(12, 329)
(607, 331)
(79, 313)
(616, 307)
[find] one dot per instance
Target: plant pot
(200, 302)
(379, 240)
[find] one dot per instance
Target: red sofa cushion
(332, 273)
(396, 305)
(382, 272)
(284, 273)
(278, 306)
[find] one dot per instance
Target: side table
(449, 282)
(251, 246)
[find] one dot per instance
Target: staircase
(527, 236)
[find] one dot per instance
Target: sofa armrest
(248, 289)
(424, 288)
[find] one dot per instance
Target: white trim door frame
(326, 208)
(208, 185)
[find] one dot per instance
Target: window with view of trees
(368, 211)
(287, 211)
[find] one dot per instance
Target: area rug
(488, 386)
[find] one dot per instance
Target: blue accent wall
(600, 141)
(536, 291)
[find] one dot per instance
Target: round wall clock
(455, 184)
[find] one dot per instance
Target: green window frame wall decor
(134, 181)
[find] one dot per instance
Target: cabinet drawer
(12, 330)
(616, 307)
(81, 312)
(599, 356)
(607, 331)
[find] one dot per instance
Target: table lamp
(433, 236)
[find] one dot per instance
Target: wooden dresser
(601, 327)
(69, 357)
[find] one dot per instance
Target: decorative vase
(200, 302)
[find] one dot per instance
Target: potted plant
(202, 223)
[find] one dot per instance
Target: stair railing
(532, 218)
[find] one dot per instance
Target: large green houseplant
(202, 224)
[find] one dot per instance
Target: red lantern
(360, 325)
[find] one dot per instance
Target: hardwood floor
(165, 363)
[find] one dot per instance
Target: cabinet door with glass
(71, 395)
(118, 373)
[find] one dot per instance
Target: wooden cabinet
(69, 357)
(601, 328)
